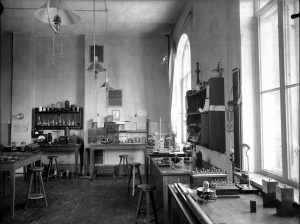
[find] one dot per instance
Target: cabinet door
(216, 91)
(217, 131)
(204, 130)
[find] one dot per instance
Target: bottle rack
(59, 119)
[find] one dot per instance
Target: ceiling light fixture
(56, 14)
(95, 66)
(165, 59)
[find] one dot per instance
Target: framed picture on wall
(116, 115)
(114, 97)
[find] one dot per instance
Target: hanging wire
(94, 15)
(106, 79)
(94, 60)
(61, 52)
(53, 48)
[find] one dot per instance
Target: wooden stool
(148, 189)
(35, 195)
(50, 167)
(124, 159)
(133, 168)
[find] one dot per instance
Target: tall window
(279, 89)
(181, 83)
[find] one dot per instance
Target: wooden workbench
(225, 211)
(11, 167)
(162, 176)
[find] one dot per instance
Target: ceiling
(123, 17)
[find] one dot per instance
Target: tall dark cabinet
(210, 119)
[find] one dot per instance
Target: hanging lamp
(106, 84)
(56, 14)
(95, 66)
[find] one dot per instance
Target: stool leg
(34, 182)
(148, 207)
(153, 207)
(49, 169)
(120, 166)
(4, 183)
(133, 180)
(124, 167)
(57, 169)
(139, 174)
(24, 172)
(130, 175)
(43, 188)
(127, 167)
(138, 207)
(29, 189)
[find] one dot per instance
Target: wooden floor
(104, 200)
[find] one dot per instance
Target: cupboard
(206, 115)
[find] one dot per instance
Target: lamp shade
(98, 67)
(57, 8)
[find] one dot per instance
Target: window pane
(262, 3)
(293, 131)
(292, 42)
(269, 50)
(271, 132)
(181, 83)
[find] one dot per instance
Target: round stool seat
(36, 169)
(146, 187)
(52, 157)
(124, 156)
(134, 164)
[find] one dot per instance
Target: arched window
(181, 83)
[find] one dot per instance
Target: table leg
(146, 168)
(84, 161)
(76, 162)
(92, 163)
(13, 184)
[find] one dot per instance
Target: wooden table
(11, 167)
(150, 153)
(225, 211)
(162, 176)
(108, 147)
(64, 149)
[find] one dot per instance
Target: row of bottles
(56, 122)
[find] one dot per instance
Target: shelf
(194, 113)
(57, 127)
(60, 117)
(133, 131)
(197, 92)
(57, 112)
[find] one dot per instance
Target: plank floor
(104, 200)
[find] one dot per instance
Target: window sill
(256, 181)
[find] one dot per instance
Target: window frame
(179, 84)
(282, 90)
